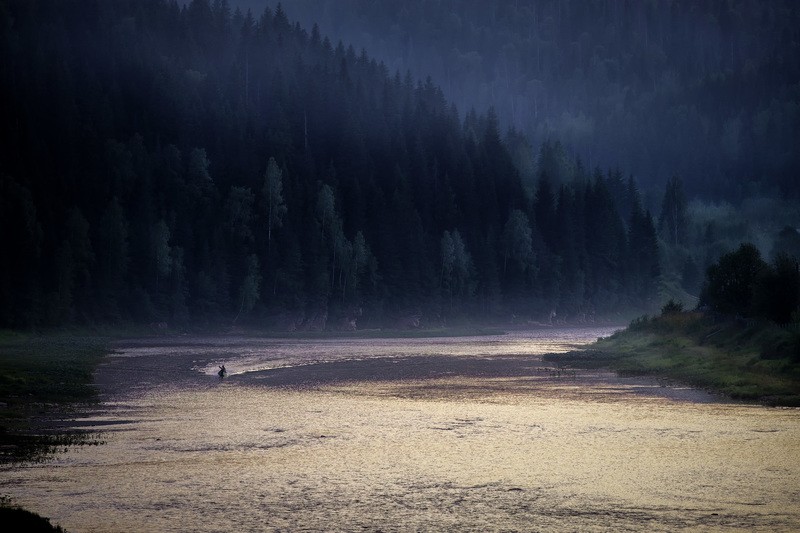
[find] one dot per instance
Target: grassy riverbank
(39, 376)
(747, 361)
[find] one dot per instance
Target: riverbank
(757, 362)
(40, 377)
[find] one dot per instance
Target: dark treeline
(167, 163)
(741, 283)
(707, 89)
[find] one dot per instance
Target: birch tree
(273, 195)
(517, 240)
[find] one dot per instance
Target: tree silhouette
(731, 281)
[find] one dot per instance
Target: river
(456, 434)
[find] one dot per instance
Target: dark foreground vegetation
(23, 520)
(744, 343)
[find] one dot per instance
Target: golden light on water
(476, 453)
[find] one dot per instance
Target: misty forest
(400, 265)
(216, 163)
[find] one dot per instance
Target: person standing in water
(222, 371)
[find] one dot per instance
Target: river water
(456, 434)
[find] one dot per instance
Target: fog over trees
(705, 89)
(204, 164)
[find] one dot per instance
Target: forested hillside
(705, 89)
(194, 165)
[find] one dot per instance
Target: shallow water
(413, 434)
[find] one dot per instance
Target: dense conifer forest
(197, 164)
(705, 89)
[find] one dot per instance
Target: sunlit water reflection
(412, 434)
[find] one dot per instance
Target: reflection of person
(222, 371)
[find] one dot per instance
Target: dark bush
(672, 308)
(639, 322)
(731, 281)
(777, 290)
